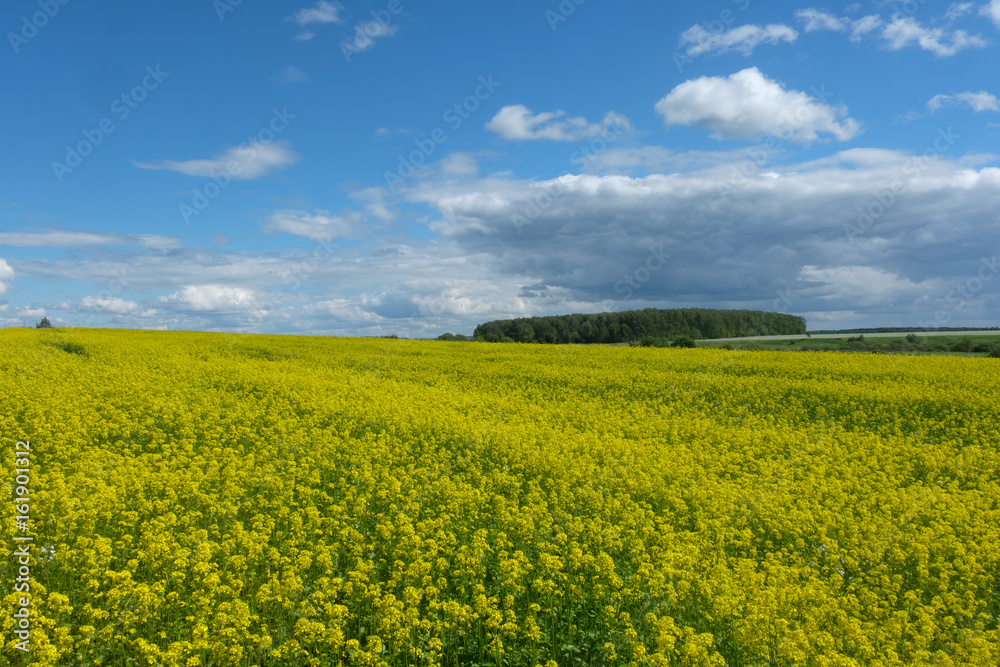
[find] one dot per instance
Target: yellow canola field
(212, 499)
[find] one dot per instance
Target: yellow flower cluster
(210, 499)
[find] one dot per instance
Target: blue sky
(411, 168)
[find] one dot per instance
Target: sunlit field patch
(210, 499)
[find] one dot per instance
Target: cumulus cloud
(748, 104)
(320, 226)
(743, 39)
(732, 233)
(519, 123)
(904, 31)
(803, 227)
(241, 163)
(978, 102)
(6, 275)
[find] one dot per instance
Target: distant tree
(44, 324)
(683, 341)
(452, 337)
(963, 345)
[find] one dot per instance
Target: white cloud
(901, 31)
(748, 104)
(864, 286)
(211, 298)
(736, 237)
(518, 123)
(305, 36)
(992, 10)
(108, 304)
(978, 102)
(863, 26)
(6, 275)
(292, 74)
(242, 163)
(816, 19)
(56, 238)
(904, 31)
(743, 39)
(958, 9)
(460, 164)
(365, 34)
(323, 12)
(319, 227)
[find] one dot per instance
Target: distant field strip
(217, 500)
(987, 332)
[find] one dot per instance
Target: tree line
(627, 326)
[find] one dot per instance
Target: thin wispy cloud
(365, 35)
(816, 20)
(744, 39)
(323, 12)
(517, 122)
(978, 102)
(903, 32)
(958, 10)
(292, 74)
(241, 163)
(900, 32)
(59, 238)
(319, 226)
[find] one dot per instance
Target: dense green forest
(636, 324)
